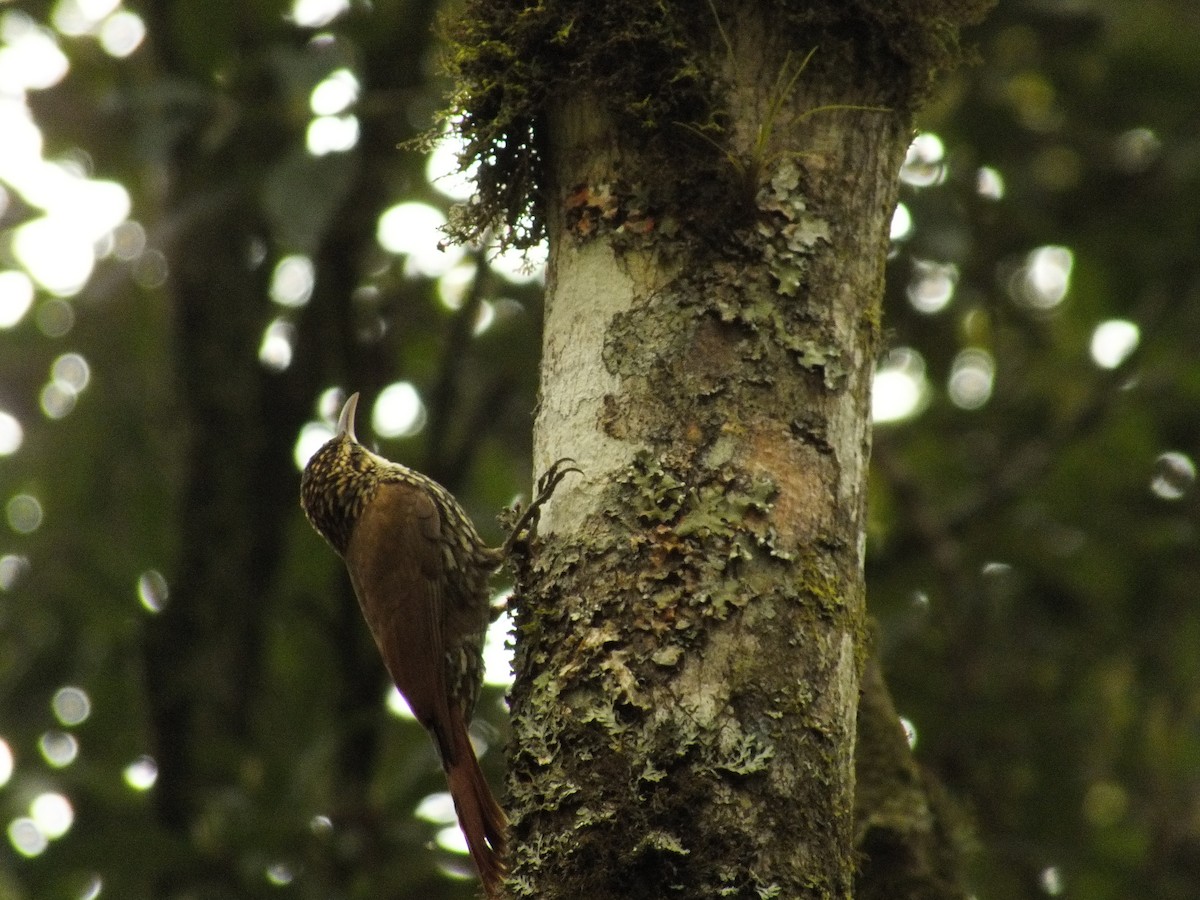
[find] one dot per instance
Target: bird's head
(338, 481)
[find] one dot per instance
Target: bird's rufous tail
(479, 815)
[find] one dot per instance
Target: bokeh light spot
(6, 762)
(12, 435)
(317, 13)
(58, 399)
(57, 255)
(72, 370)
(311, 438)
(395, 703)
(442, 168)
(1136, 150)
(923, 164)
(21, 148)
(129, 240)
(1113, 341)
(275, 351)
(332, 134)
(1051, 880)
(122, 33)
(330, 403)
(320, 825)
(52, 813)
(899, 389)
(902, 223)
(58, 748)
(92, 889)
(336, 93)
(497, 652)
(26, 838)
(521, 266)
(12, 567)
(16, 296)
(972, 375)
(910, 732)
(79, 213)
(55, 318)
(398, 412)
(454, 286)
(24, 513)
(71, 705)
(153, 590)
(151, 269)
(989, 183)
(437, 808)
(485, 317)
(996, 570)
(293, 280)
(280, 874)
(100, 205)
(1174, 475)
(30, 59)
(1045, 277)
(932, 285)
(94, 10)
(414, 230)
(141, 773)
(451, 838)
(69, 19)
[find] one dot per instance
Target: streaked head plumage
(338, 481)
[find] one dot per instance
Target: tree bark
(701, 625)
(690, 631)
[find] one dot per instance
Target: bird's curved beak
(345, 424)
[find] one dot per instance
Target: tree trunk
(690, 632)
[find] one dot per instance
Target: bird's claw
(526, 525)
(552, 476)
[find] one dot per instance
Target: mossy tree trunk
(717, 183)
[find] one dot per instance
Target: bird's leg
(526, 526)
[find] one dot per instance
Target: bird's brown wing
(395, 564)
(396, 559)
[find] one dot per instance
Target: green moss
(817, 581)
(653, 67)
(508, 59)
(909, 44)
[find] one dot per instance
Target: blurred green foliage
(1032, 552)
(1033, 560)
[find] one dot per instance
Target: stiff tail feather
(479, 815)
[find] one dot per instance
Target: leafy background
(189, 701)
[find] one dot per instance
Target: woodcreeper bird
(420, 572)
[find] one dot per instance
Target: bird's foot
(526, 526)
